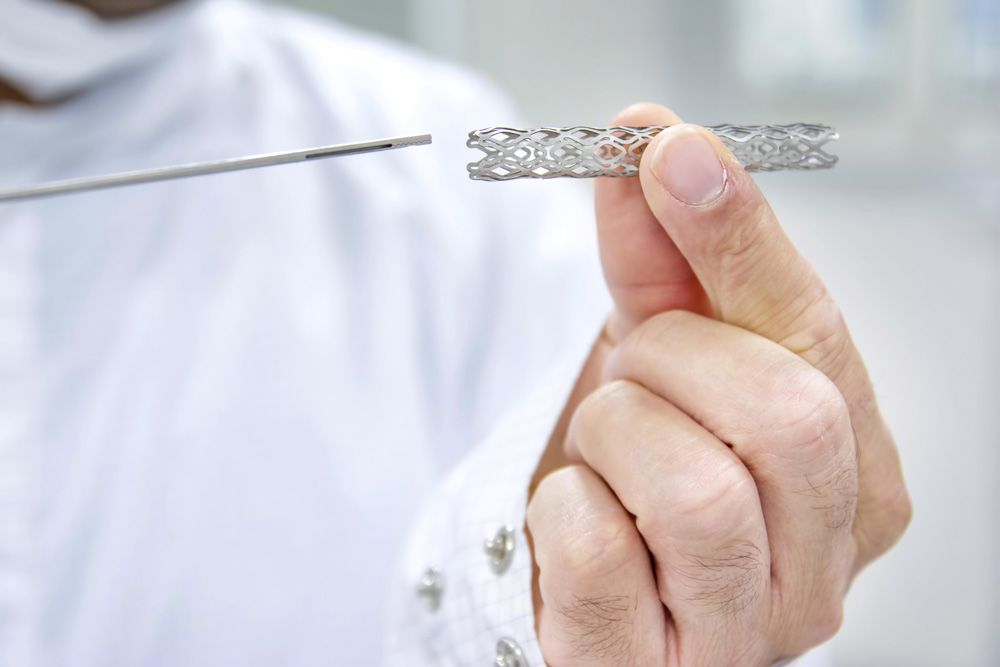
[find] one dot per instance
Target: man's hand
(731, 471)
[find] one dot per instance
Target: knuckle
(575, 536)
(658, 326)
(813, 420)
(821, 339)
(900, 509)
(593, 549)
(556, 491)
(883, 519)
(607, 397)
(812, 431)
(893, 500)
(719, 499)
(821, 626)
(864, 404)
(830, 619)
(606, 400)
(813, 620)
(647, 338)
(839, 507)
(826, 623)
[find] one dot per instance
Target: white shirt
(222, 399)
(480, 611)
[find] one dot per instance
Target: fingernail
(688, 168)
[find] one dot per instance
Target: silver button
(430, 588)
(509, 654)
(500, 549)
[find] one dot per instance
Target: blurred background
(906, 229)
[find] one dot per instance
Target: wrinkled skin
(722, 471)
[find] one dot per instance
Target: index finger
(645, 272)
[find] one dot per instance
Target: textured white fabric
(51, 48)
(246, 384)
(221, 400)
(19, 436)
(486, 491)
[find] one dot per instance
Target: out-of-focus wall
(906, 230)
(914, 76)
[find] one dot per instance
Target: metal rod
(204, 168)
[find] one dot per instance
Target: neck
(13, 94)
(120, 9)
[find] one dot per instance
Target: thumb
(645, 272)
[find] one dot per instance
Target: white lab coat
(222, 399)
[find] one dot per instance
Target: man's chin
(115, 9)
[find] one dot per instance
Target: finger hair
(601, 627)
(836, 499)
(727, 581)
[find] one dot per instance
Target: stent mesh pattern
(585, 152)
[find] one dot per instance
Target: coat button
(500, 549)
(509, 654)
(430, 588)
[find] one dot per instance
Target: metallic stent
(585, 152)
(203, 168)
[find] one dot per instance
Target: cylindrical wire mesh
(585, 152)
